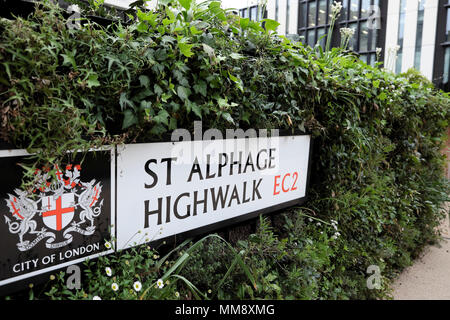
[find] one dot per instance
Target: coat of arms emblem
(61, 207)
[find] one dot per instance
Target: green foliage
(377, 162)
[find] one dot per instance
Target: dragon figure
(23, 210)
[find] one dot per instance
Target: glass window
(301, 36)
(419, 35)
(311, 37)
(401, 28)
(401, 31)
(344, 11)
(254, 13)
(448, 24)
(365, 6)
(352, 41)
(322, 16)
(320, 33)
(363, 37)
(302, 15)
(354, 12)
(373, 59)
(314, 17)
(422, 4)
(288, 13)
(276, 10)
(374, 37)
(363, 57)
(312, 14)
(398, 66)
(446, 65)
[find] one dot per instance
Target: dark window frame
(440, 46)
(249, 9)
(304, 28)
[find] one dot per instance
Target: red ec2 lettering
(285, 183)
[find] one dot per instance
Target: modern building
(410, 33)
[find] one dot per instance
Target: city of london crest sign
(66, 205)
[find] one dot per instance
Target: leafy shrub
(377, 165)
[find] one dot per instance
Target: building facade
(410, 33)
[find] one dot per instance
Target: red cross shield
(58, 213)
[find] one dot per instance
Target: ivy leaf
(129, 119)
(270, 25)
(92, 81)
(172, 124)
(196, 109)
(161, 54)
(244, 23)
(376, 83)
(227, 117)
(382, 96)
(142, 27)
(145, 105)
(245, 117)
(237, 81)
(185, 49)
(150, 17)
(217, 10)
(236, 56)
(185, 4)
(162, 117)
(195, 31)
(144, 80)
(69, 58)
(124, 101)
(158, 90)
(209, 51)
(183, 93)
(200, 87)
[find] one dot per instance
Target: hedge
(377, 162)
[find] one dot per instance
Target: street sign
(56, 222)
(139, 193)
(168, 188)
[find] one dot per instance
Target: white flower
(335, 236)
(347, 32)
(115, 286)
(378, 51)
(96, 298)
(394, 50)
(177, 294)
(108, 271)
(336, 8)
(108, 245)
(137, 286)
(160, 283)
